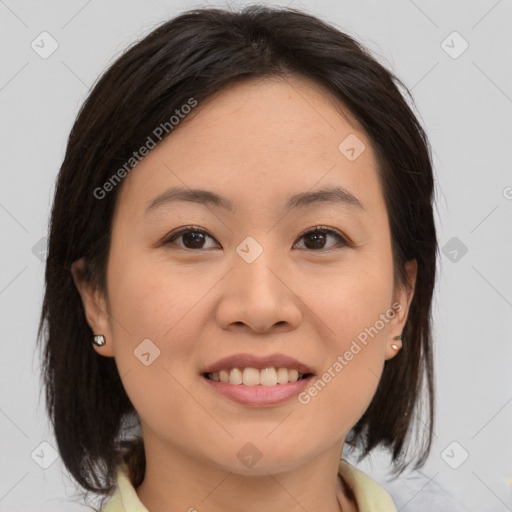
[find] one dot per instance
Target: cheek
(147, 300)
(350, 301)
(152, 314)
(339, 400)
(154, 334)
(353, 351)
(349, 305)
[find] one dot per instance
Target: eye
(193, 237)
(319, 235)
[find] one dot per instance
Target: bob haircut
(196, 54)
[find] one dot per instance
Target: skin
(255, 142)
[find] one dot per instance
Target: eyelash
(317, 229)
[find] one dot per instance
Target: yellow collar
(369, 495)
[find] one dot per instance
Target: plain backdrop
(455, 58)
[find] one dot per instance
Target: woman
(241, 266)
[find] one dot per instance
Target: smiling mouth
(249, 376)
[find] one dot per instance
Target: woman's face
(251, 281)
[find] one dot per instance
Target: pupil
(196, 239)
(320, 237)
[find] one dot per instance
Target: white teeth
(235, 376)
(268, 377)
(253, 377)
(293, 375)
(282, 375)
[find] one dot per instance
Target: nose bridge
(256, 292)
(255, 264)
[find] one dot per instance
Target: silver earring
(99, 340)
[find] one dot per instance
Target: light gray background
(465, 104)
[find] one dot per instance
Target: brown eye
(317, 237)
(192, 237)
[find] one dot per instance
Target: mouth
(257, 381)
(250, 376)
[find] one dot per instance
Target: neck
(178, 481)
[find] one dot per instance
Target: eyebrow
(328, 195)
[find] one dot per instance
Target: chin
(252, 460)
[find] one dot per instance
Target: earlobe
(394, 347)
(95, 309)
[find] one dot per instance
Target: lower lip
(259, 395)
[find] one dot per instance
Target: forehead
(258, 142)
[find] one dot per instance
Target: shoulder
(369, 495)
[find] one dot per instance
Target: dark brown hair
(195, 55)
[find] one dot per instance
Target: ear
(95, 307)
(401, 304)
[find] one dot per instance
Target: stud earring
(99, 340)
(394, 346)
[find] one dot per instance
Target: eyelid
(183, 229)
(328, 229)
(319, 228)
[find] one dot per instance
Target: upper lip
(248, 360)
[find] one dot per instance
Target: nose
(262, 296)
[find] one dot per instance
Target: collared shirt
(369, 495)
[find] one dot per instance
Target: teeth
(254, 377)
(282, 375)
(235, 376)
(268, 376)
(250, 377)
